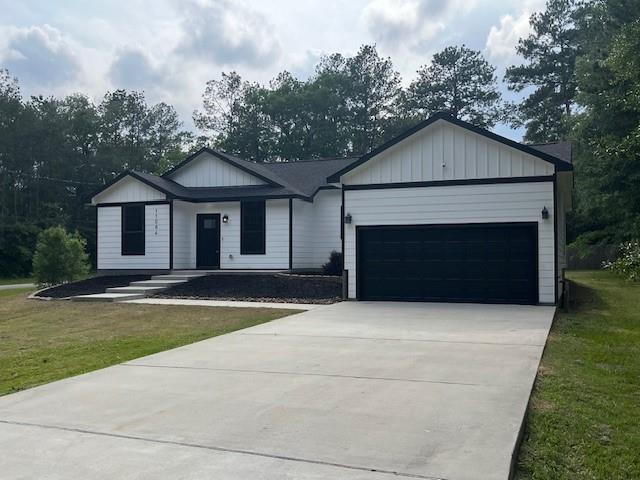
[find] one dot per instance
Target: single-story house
(446, 211)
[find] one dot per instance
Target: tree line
(579, 76)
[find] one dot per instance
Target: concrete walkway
(225, 303)
(17, 285)
(354, 390)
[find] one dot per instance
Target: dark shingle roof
(300, 179)
(308, 175)
(203, 194)
(304, 178)
(561, 150)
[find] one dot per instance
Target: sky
(170, 48)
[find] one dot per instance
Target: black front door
(208, 241)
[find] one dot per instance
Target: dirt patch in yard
(90, 285)
(275, 287)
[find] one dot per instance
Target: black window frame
(260, 231)
(129, 236)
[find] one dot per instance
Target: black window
(252, 228)
(133, 230)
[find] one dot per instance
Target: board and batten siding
(156, 238)
(303, 226)
(129, 189)
(316, 229)
(493, 203)
(209, 171)
(182, 233)
(326, 223)
(277, 235)
(444, 151)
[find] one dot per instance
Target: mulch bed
(90, 285)
(277, 287)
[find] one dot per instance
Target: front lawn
(42, 341)
(584, 418)
(15, 281)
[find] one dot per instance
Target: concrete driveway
(348, 391)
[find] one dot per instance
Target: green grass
(584, 418)
(42, 341)
(12, 281)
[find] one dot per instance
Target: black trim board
(555, 241)
(122, 204)
(290, 234)
(224, 158)
(171, 235)
(244, 198)
(559, 164)
(448, 183)
(97, 237)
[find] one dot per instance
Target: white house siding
(316, 229)
(209, 171)
(277, 235)
(326, 223)
(303, 235)
(156, 240)
(510, 202)
(464, 154)
(128, 189)
(182, 232)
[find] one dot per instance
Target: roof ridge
(310, 160)
(546, 143)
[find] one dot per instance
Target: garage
(483, 263)
(449, 212)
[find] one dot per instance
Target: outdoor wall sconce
(347, 218)
(225, 218)
(545, 212)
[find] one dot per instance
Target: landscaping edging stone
(86, 287)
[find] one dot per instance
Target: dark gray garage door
(487, 263)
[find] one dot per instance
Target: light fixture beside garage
(225, 218)
(545, 212)
(347, 218)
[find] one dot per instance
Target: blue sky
(170, 48)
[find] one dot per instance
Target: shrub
(334, 265)
(628, 263)
(60, 257)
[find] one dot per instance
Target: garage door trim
(361, 228)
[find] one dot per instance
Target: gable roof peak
(247, 166)
(559, 164)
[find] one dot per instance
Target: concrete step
(191, 272)
(178, 276)
(107, 297)
(130, 289)
(156, 283)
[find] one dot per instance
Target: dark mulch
(275, 287)
(90, 285)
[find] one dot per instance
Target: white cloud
(503, 38)
(227, 33)
(170, 48)
(39, 55)
(133, 69)
(398, 24)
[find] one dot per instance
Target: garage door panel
(494, 263)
